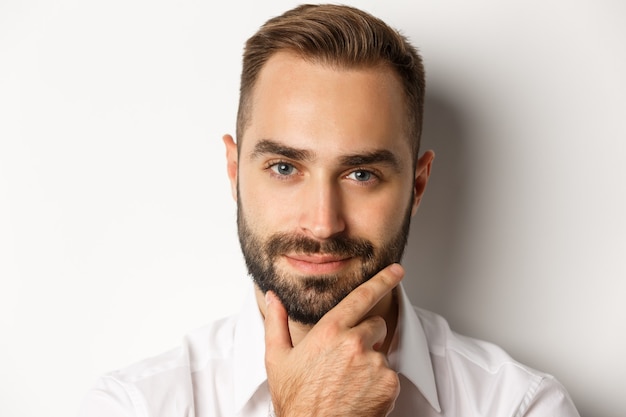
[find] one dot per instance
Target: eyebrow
(380, 156)
(267, 146)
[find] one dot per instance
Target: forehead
(316, 106)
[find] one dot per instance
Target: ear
(422, 173)
(231, 163)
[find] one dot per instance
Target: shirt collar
(249, 351)
(411, 357)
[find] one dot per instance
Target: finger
(372, 331)
(277, 336)
(362, 299)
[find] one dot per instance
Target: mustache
(282, 243)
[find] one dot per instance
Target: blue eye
(361, 175)
(282, 168)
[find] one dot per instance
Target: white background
(117, 230)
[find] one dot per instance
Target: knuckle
(330, 331)
(378, 322)
(270, 361)
(380, 362)
(390, 380)
(353, 344)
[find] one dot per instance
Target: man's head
(339, 37)
(324, 170)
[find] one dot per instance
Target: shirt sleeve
(548, 399)
(109, 398)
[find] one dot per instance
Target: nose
(322, 210)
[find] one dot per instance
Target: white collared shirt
(220, 371)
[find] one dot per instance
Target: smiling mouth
(317, 264)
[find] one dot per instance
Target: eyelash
(271, 164)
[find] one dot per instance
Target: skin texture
(327, 189)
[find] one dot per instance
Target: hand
(334, 370)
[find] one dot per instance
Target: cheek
(377, 219)
(265, 209)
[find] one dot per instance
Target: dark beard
(308, 298)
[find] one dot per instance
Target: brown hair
(340, 36)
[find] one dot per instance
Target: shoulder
(477, 371)
(213, 342)
(466, 351)
(162, 384)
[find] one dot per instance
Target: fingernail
(268, 298)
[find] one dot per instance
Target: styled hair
(342, 37)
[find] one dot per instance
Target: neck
(387, 308)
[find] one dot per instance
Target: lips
(317, 264)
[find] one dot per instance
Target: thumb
(277, 336)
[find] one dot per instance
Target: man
(327, 174)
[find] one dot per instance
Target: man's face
(324, 181)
